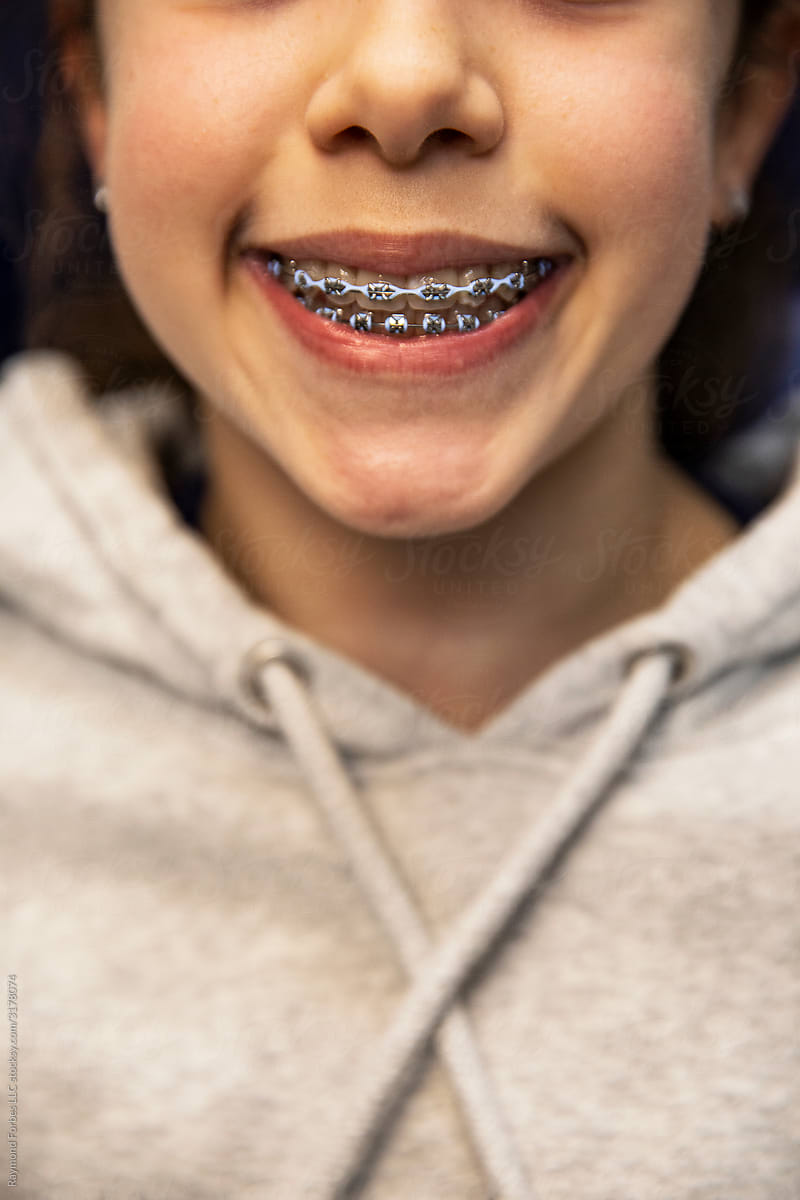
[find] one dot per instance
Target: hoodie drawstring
(431, 1008)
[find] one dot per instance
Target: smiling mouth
(455, 301)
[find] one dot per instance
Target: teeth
(435, 289)
(468, 322)
(467, 298)
(362, 322)
(408, 323)
(396, 323)
(450, 300)
(434, 323)
(336, 279)
(506, 291)
(303, 274)
(382, 294)
(471, 285)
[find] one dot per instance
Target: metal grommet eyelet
(268, 650)
(682, 659)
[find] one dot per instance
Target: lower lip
(440, 355)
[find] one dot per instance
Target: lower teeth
(403, 325)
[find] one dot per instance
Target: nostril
(356, 133)
(447, 135)
(353, 134)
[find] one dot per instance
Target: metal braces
(432, 289)
(398, 323)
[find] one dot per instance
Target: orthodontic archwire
(430, 290)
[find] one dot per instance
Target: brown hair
(713, 373)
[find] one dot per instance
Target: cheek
(189, 139)
(620, 148)
(644, 159)
(634, 173)
(659, 172)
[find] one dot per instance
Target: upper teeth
(469, 287)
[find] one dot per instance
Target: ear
(753, 109)
(81, 68)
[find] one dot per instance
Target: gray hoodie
(274, 931)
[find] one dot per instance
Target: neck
(463, 622)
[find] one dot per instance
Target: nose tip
(405, 89)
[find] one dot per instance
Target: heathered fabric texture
(204, 987)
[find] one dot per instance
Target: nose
(405, 74)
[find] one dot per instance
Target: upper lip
(404, 254)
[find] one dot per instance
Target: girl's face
(585, 127)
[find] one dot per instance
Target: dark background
(21, 32)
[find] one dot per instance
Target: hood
(93, 549)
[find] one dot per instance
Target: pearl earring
(101, 198)
(739, 204)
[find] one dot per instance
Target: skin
(460, 539)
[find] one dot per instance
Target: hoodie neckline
(738, 606)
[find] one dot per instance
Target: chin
(410, 524)
(410, 503)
